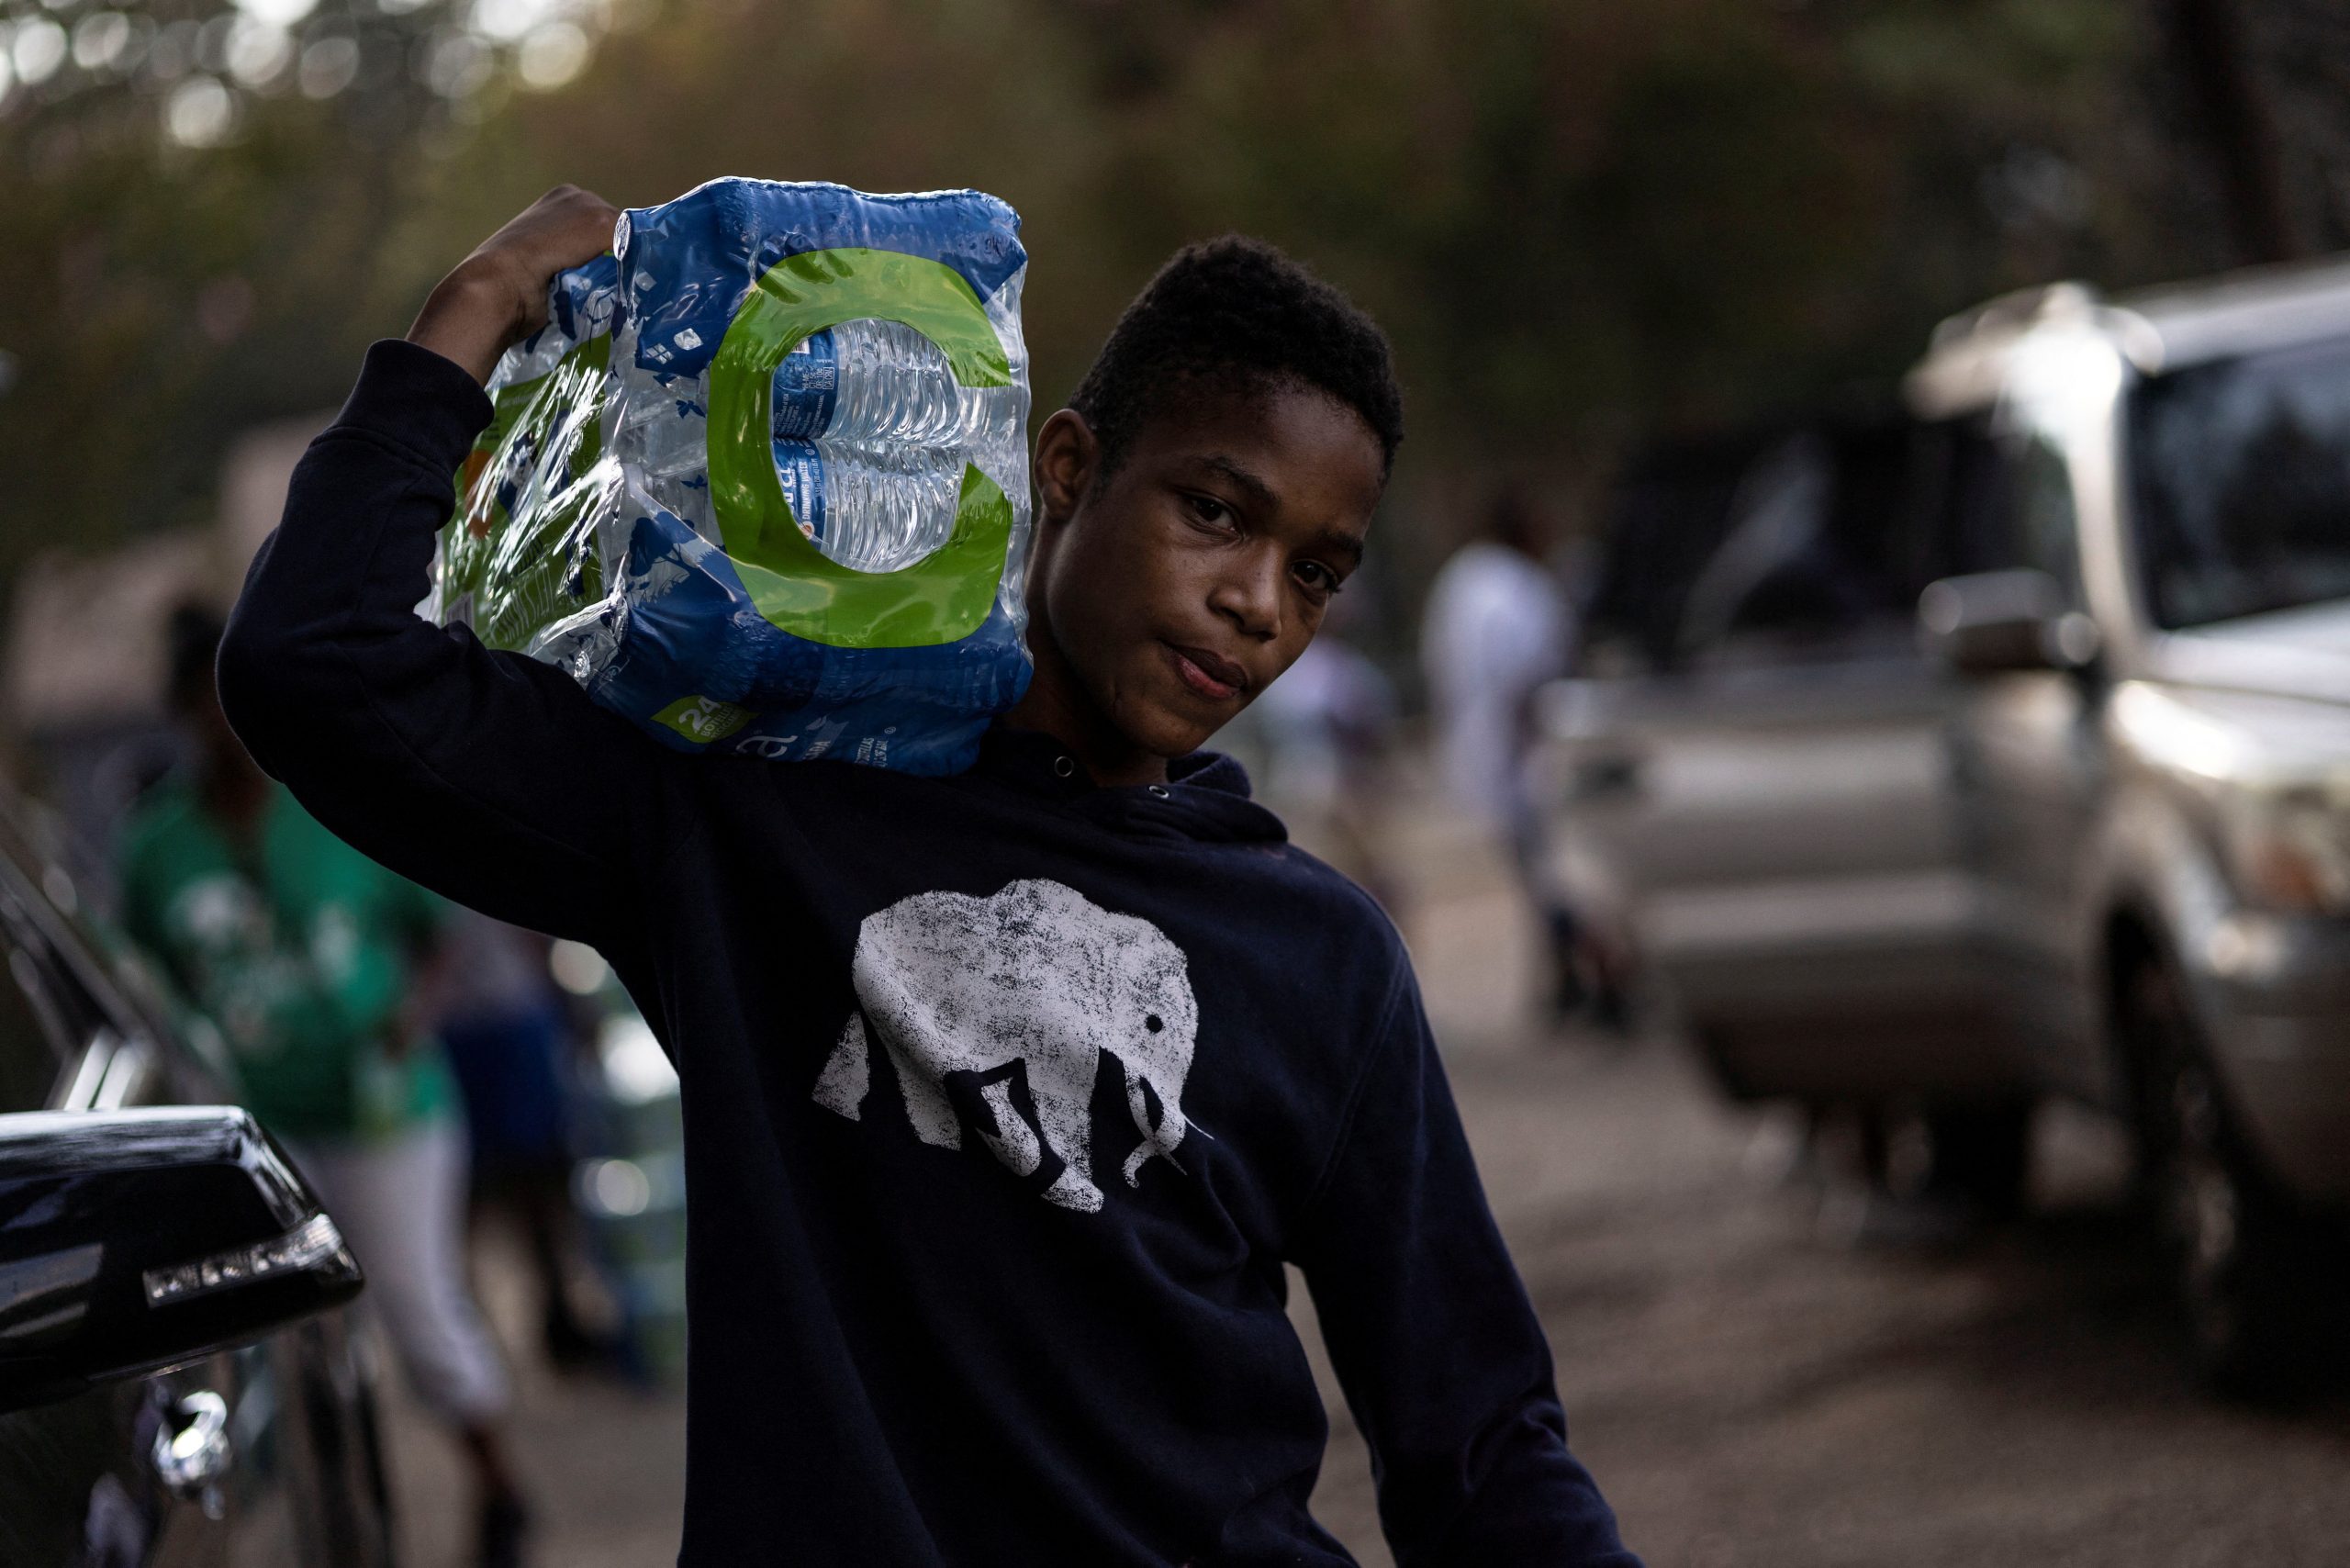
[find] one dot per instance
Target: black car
(176, 1384)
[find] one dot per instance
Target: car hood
(2303, 654)
(2232, 737)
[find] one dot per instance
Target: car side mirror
(1986, 622)
(131, 1241)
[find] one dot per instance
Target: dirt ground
(1754, 1385)
(1756, 1375)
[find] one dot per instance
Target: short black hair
(1237, 312)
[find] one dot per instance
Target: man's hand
(499, 294)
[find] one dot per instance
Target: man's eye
(1207, 508)
(1319, 578)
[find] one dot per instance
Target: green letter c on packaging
(941, 597)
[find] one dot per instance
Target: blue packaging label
(803, 467)
(807, 389)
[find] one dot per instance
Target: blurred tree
(2213, 50)
(2262, 87)
(1579, 220)
(198, 201)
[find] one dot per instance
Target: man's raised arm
(485, 776)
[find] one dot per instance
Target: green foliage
(157, 299)
(1580, 221)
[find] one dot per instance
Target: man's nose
(1250, 597)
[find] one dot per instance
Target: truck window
(2240, 476)
(1794, 545)
(2001, 499)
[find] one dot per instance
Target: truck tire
(2254, 1275)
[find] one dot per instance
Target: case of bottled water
(761, 483)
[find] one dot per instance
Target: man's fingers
(580, 224)
(566, 227)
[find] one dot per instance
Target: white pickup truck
(2088, 834)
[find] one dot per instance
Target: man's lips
(1208, 673)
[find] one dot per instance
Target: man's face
(1177, 588)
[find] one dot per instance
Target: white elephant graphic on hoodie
(1038, 977)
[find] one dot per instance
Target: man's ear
(1066, 454)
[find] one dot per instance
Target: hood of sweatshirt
(1205, 799)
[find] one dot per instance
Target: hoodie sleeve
(1433, 1337)
(485, 776)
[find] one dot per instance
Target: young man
(307, 954)
(1007, 1096)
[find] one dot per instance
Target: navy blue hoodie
(1006, 1096)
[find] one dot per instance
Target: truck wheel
(2249, 1269)
(1981, 1154)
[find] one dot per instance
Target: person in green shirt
(317, 964)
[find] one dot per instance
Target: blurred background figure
(1499, 625)
(510, 1039)
(1329, 729)
(320, 969)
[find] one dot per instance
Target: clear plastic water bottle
(868, 505)
(871, 433)
(868, 383)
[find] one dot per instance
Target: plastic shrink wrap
(761, 483)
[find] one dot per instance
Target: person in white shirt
(1497, 625)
